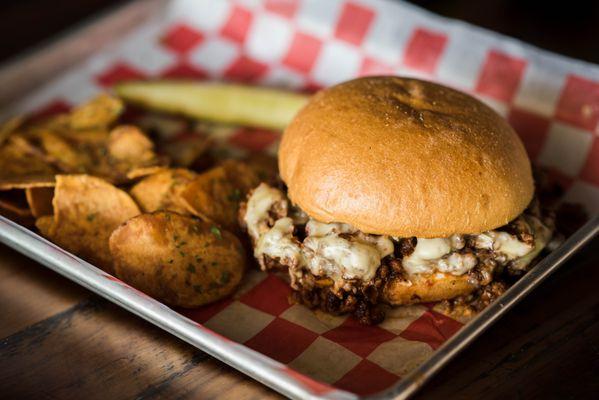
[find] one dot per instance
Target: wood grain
(30, 293)
(98, 351)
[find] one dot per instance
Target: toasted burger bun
(426, 288)
(404, 157)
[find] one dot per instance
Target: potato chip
(241, 175)
(22, 166)
(65, 155)
(215, 195)
(127, 143)
(45, 225)
(100, 112)
(10, 126)
(127, 149)
(86, 211)
(188, 151)
(140, 172)
(91, 137)
(265, 166)
(162, 191)
(40, 200)
(177, 259)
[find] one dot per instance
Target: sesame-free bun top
(404, 157)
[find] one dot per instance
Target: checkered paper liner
(552, 102)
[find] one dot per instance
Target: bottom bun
(426, 288)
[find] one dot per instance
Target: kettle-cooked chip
(127, 143)
(127, 149)
(188, 151)
(178, 259)
(86, 211)
(65, 155)
(21, 166)
(99, 112)
(10, 126)
(265, 166)
(140, 172)
(95, 138)
(215, 194)
(40, 200)
(241, 175)
(162, 190)
(45, 225)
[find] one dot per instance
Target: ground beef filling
(336, 268)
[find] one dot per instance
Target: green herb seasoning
(225, 277)
(216, 232)
(191, 268)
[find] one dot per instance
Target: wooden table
(59, 341)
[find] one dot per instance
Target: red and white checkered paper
(552, 102)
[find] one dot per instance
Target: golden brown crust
(426, 288)
(404, 157)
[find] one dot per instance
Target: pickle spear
(219, 102)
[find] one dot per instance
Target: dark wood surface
(59, 341)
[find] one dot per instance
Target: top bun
(404, 157)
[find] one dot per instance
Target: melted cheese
(354, 255)
(439, 254)
(504, 243)
(340, 258)
(457, 263)
(426, 253)
(258, 205)
(315, 228)
(278, 242)
(542, 237)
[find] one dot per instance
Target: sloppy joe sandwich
(397, 191)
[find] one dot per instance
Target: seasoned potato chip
(92, 137)
(100, 112)
(187, 152)
(86, 211)
(21, 166)
(162, 191)
(215, 195)
(265, 166)
(40, 200)
(140, 172)
(127, 143)
(241, 175)
(45, 225)
(127, 149)
(177, 259)
(63, 154)
(8, 127)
